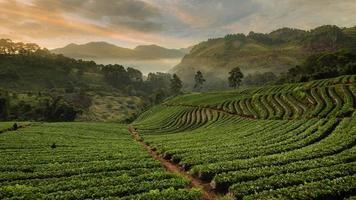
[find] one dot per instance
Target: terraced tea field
(295, 141)
(83, 161)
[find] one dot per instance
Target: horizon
(170, 24)
(153, 44)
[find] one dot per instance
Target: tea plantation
(294, 141)
(83, 161)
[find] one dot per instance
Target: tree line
(234, 79)
(58, 88)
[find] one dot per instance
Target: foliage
(260, 79)
(4, 105)
(46, 108)
(158, 80)
(235, 77)
(176, 85)
(276, 52)
(324, 38)
(323, 65)
(9, 47)
(199, 81)
(27, 67)
(116, 75)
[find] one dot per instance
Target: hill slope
(38, 85)
(103, 50)
(293, 141)
(277, 52)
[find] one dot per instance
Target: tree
(134, 75)
(176, 84)
(15, 126)
(259, 79)
(116, 75)
(235, 77)
(4, 105)
(4, 108)
(158, 80)
(199, 80)
(158, 96)
(323, 65)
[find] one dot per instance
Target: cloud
(171, 23)
(133, 14)
(54, 26)
(303, 14)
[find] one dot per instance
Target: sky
(169, 23)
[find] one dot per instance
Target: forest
(39, 85)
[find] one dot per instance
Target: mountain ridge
(105, 50)
(277, 52)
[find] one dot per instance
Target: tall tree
(158, 80)
(176, 84)
(4, 108)
(199, 81)
(235, 77)
(134, 74)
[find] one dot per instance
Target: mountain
(157, 52)
(104, 50)
(275, 52)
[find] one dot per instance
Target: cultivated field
(294, 141)
(88, 161)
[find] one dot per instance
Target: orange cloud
(192, 20)
(36, 22)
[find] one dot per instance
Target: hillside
(292, 141)
(29, 81)
(37, 85)
(104, 50)
(275, 52)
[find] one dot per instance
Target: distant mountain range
(103, 50)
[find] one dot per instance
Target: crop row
(333, 101)
(251, 151)
(240, 155)
(214, 98)
(82, 161)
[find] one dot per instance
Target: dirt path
(208, 193)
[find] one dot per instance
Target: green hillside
(292, 141)
(38, 85)
(29, 81)
(275, 52)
